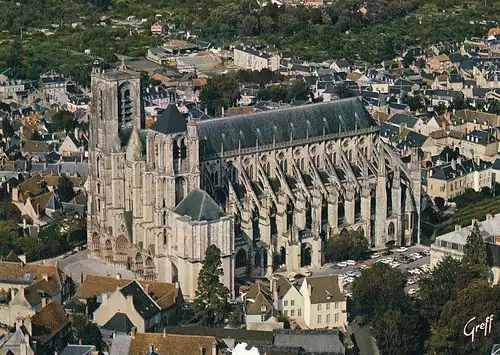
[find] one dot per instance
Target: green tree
(379, 290)
(479, 300)
(220, 91)
(7, 129)
(401, 332)
(9, 233)
(475, 255)
(63, 121)
(448, 277)
(65, 189)
(211, 305)
(235, 318)
(86, 332)
(347, 245)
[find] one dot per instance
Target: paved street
(78, 263)
(364, 340)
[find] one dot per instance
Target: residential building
(131, 303)
(325, 306)
(167, 296)
(452, 243)
(451, 179)
(261, 313)
(440, 63)
(31, 286)
(247, 57)
(43, 333)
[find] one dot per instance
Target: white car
(376, 255)
(394, 264)
(351, 262)
(416, 255)
(363, 266)
(401, 249)
(342, 264)
(416, 271)
(412, 291)
(349, 280)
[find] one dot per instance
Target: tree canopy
(211, 305)
(85, 331)
(221, 91)
(475, 256)
(65, 189)
(345, 246)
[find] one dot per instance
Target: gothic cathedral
(266, 188)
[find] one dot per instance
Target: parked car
(351, 262)
(342, 264)
(375, 255)
(402, 249)
(336, 267)
(387, 252)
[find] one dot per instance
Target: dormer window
(263, 308)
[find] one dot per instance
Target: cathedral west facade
(266, 188)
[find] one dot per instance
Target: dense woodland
(336, 31)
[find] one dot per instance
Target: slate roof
(413, 140)
(312, 341)
(251, 337)
(407, 120)
(33, 293)
(199, 206)
(25, 274)
(278, 126)
(77, 350)
(119, 323)
(48, 322)
(481, 137)
(446, 172)
(143, 304)
(170, 121)
(325, 289)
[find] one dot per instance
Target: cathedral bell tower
(115, 111)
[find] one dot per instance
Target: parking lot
(403, 259)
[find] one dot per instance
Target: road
(364, 340)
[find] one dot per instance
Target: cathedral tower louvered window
(125, 106)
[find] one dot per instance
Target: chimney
(146, 289)
(44, 302)
(25, 224)
(177, 285)
(454, 164)
(118, 276)
(12, 293)
(81, 277)
(77, 133)
(164, 332)
(474, 221)
(489, 217)
(134, 332)
(45, 277)
(457, 227)
(202, 350)
(309, 288)
(214, 347)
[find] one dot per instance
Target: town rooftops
(282, 126)
(119, 323)
(19, 273)
(259, 300)
(163, 293)
(199, 206)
